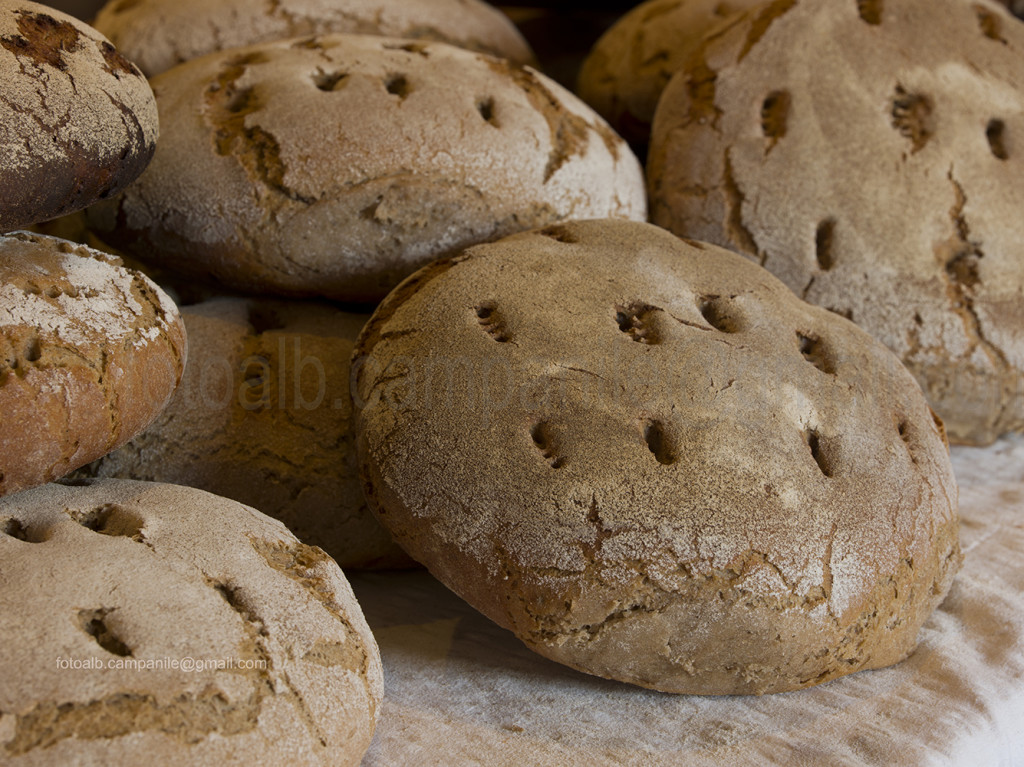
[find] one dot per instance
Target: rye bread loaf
(154, 624)
(263, 416)
(90, 352)
(670, 472)
(337, 165)
(159, 34)
(78, 120)
(869, 155)
(630, 65)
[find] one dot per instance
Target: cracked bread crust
(672, 473)
(263, 416)
(869, 156)
(629, 66)
(159, 34)
(90, 353)
(78, 120)
(336, 166)
(119, 572)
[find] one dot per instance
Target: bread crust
(672, 473)
(405, 151)
(212, 635)
(79, 122)
(160, 34)
(91, 353)
(870, 161)
(263, 416)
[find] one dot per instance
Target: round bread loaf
(155, 624)
(869, 154)
(263, 416)
(672, 472)
(78, 121)
(158, 34)
(90, 352)
(630, 65)
(338, 165)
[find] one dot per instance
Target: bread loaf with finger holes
(672, 473)
(405, 151)
(151, 623)
(869, 155)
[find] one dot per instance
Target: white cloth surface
(461, 691)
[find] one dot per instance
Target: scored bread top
(606, 438)
(869, 154)
(337, 165)
(216, 636)
(78, 121)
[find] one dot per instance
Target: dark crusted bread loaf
(77, 120)
(90, 352)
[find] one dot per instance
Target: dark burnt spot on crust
(43, 39)
(116, 63)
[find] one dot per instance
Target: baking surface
(461, 691)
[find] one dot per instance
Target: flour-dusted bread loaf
(158, 34)
(78, 120)
(628, 68)
(870, 155)
(145, 623)
(654, 463)
(263, 416)
(90, 352)
(338, 165)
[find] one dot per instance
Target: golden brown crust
(866, 154)
(159, 34)
(78, 123)
(91, 353)
(652, 462)
(338, 165)
(275, 662)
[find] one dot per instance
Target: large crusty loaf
(337, 165)
(630, 65)
(652, 462)
(869, 154)
(155, 624)
(263, 416)
(78, 120)
(90, 352)
(158, 34)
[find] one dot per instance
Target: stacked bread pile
(644, 454)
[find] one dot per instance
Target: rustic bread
(263, 416)
(652, 462)
(78, 121)
(155, 624)
(337, 165)
(159, 34)
(630, 65)
(869, 155)
(91, 353)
